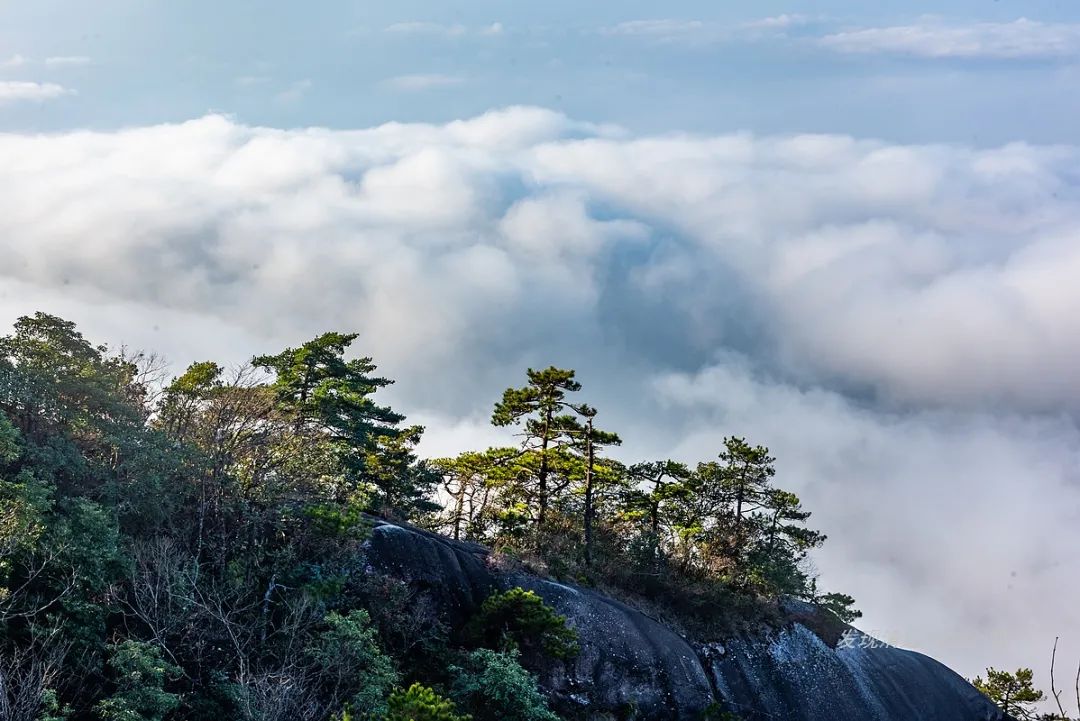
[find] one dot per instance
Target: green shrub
(520, 619)
(51, 708)
(420, 703)
(350, 662)
(493, 686)
(140, 674)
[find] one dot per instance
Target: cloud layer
(421, 81)
(67, 60)
(14, 91)
(897, 322)
(442, 30)
(1021, 39)
(701, 33)
(926, 38)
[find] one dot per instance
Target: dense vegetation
(685, 537)
(193, 548)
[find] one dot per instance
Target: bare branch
(25, 674)
(1053, 689)
(1078, 691)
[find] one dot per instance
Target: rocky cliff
(631, 666)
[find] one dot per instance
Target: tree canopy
(1014, 692)
(193, 547)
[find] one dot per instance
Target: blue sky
(848, 231)
(697, 66)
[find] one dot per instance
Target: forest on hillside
(191, 547)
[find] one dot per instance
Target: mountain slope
(631, 666)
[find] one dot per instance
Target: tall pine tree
(588, 440)
(539, 405)
(330, 398)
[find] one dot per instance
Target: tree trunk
(589, 494)
(459, 506)
(543, 474)
(654, 511)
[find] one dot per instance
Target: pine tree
(588, 440)
(325, 392)
(1014, 693)
(665, 482)
(477, 482)
(330, 398)
(402, 482)
(539, 404)
(778, 542)
(724, 494)
(748, 472)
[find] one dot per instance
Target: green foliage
(350, 662)
(544, 396)
(402, 482)
(1014, 692)
(329, 399)
(218, 521)
(519, 619)
(538, 406)
(51, 708)
(139, 673)
(491, 494)
(841, 605)
(493, 686)
(587, 442)
(9, 441)
(658, 529)
(345, 520)
(318, 387)
(726, 520)
(659, 487)
(420, 703)
(199, 521)
(81, 414)
(24, 508)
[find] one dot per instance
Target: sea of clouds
(900, 324)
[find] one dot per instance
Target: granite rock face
(794, 675)
(631, 667)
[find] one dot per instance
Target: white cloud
(848, 248)
(67, 60)
(1022, 38)
(920, 522)
(418, 82)
(13, 91)
(897, 321)
(779, 22)
(55, 61)
(665, 27)
(666, 30)
(449, 30)
(698, 33)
